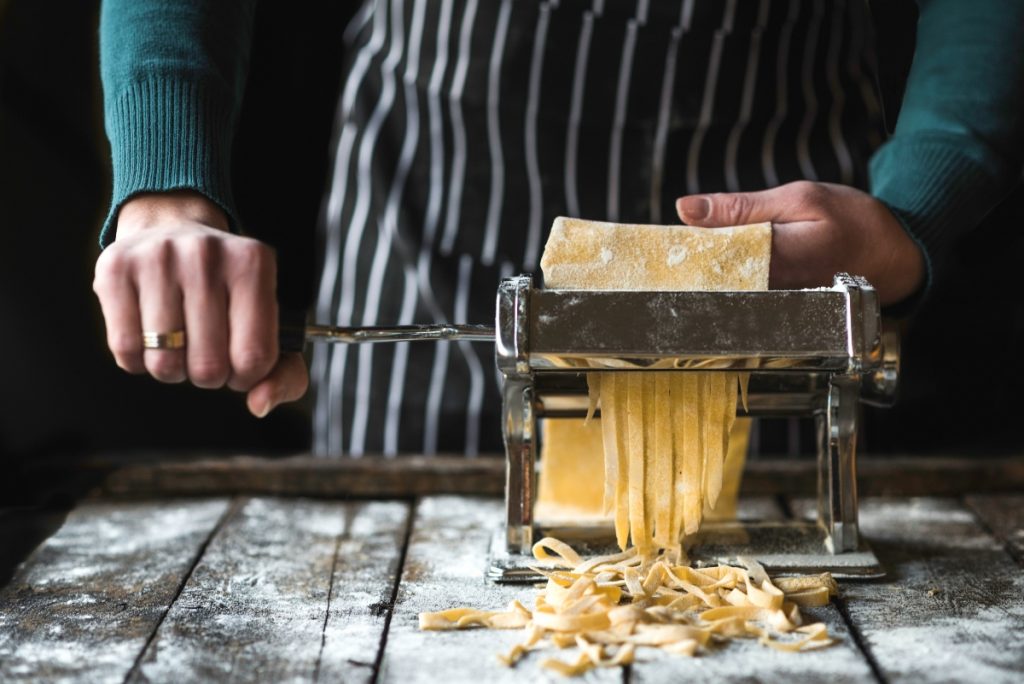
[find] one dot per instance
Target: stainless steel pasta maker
(818, 353)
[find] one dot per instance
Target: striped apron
(465, 126)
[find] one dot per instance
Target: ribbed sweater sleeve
(173, 79)
(958, 145)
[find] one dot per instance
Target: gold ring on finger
(167, 340)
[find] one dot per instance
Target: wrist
(904, 271)
(159, 209)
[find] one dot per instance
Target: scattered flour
(677, 254)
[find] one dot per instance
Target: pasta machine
(817, 353)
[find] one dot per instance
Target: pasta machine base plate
(783, 548)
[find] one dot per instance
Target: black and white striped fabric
(465, 126)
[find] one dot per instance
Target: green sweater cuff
(170, 134)
(938, 187)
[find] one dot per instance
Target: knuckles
(124, 344)
(197, 254)
(208, 372)
(809, 193)
(157, 258)
(200, 249)
(250, 366)
(252, 259)
(166, 366)
(734, 208)
(111, 267)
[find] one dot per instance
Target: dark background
(62, 395)
(60, 392)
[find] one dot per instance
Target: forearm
(958, 145)
(173, 79)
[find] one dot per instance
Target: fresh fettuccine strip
(663, 466)
(634, 400)
(609, 606)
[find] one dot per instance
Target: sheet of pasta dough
(591, 255)
(571, 487)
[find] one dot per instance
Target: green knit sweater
(174, 75)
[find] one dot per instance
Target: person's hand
(818, 230)
(174, 267)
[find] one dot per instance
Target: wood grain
(363, 590)
(136, 476)
(1004, 515)
(257, 602)
(951, 608)
(444, 568)
(85, 602)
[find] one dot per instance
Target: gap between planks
(287, 589)
(83, 605)
(327, 612)
(400, 569)
(795, 509)
(950, 607)
(229, 512)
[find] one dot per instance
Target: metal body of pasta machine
(815, 353)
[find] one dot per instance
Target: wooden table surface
(271, 588)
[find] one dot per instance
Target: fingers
(800, 201)
(288, 381)
(727, 209)
(252, 312)
(206, 304)
(119, 301)
(160, 305)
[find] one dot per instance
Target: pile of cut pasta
(609, 606)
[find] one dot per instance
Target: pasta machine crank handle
(294, 336)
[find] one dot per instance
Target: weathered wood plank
(363, 590)
(256, 604)
(744, 660)
(1004, 515)
(84, 604)
(369, 477)
(952, 605)
(178, 475)
(444, 568)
